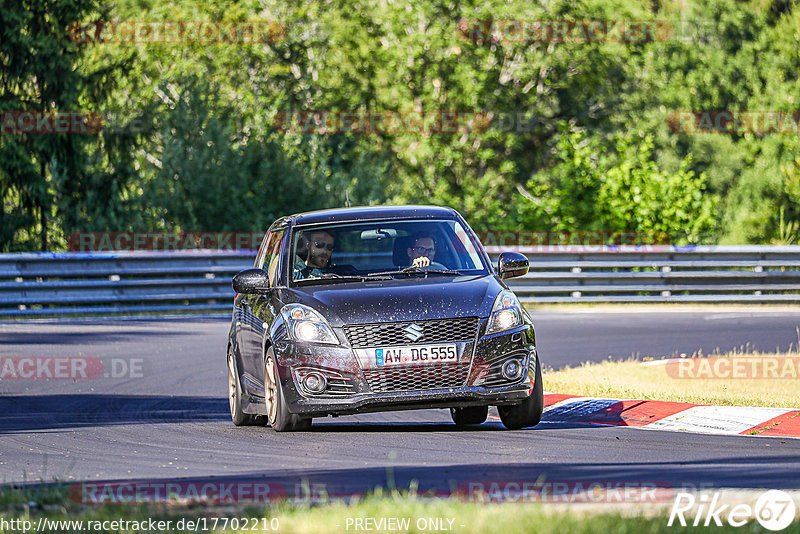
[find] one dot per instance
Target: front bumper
(409, 400)
(351, 390)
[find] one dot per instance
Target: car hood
(404, 299)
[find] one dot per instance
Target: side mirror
(250, 281)
(512, 264)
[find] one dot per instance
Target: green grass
(52, 502)
(42, 494)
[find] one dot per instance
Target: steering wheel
(435, 265)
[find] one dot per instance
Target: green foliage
(593, 189)
(48, 184)
(213, 175)
(576, 135)
(637, 195)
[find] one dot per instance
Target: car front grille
(417, 378)
(391, 334)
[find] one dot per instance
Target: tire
(277, 410)
(529, 412)
(235, 396)
(475, 415)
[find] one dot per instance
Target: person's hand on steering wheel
(422, 261)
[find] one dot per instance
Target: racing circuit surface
(169, 418)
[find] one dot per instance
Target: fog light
(512, 369)
(315, 383)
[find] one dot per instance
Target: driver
(320, 245)
(422, 251)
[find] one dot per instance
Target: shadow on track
(497, 481)
(25, 413)
(30, 413)
(71, 338)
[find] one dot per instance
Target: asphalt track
(173, 422)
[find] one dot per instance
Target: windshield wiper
(425, 270)
(331, 277)
(390, 273)
(412, 271)
(439, 271)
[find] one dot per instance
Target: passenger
(320, 245)
(421, 253)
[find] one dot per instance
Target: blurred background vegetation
(190, 142)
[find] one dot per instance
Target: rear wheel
(529, 412)
(280, 419)
(475, 415)
(235, 396)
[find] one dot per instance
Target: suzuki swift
(370, 309)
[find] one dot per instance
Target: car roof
(366, 213)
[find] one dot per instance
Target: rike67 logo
(774, 510)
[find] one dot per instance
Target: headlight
(304, 324)
(506, 313)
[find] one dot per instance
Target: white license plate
(416, 355)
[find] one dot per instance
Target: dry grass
(631, 380)
(636, 307)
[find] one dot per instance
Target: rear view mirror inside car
(378, 233)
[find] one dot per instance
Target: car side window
(272, 255)
(262, 250)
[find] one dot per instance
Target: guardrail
(73, 283)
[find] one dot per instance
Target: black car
(380, 308)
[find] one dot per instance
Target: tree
(592, 188)
(43, 176)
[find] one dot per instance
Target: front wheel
(235, 396)
(529, 412)
(280, 419)
(475, 415)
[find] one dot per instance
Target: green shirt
(301, 271)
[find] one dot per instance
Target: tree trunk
(43, 208)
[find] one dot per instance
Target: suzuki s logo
(413, 331)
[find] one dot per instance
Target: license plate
(416, 355)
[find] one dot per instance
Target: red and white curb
(675, 416)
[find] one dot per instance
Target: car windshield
(381, 249)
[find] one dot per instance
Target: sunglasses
(322, 244)
(424, 250)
